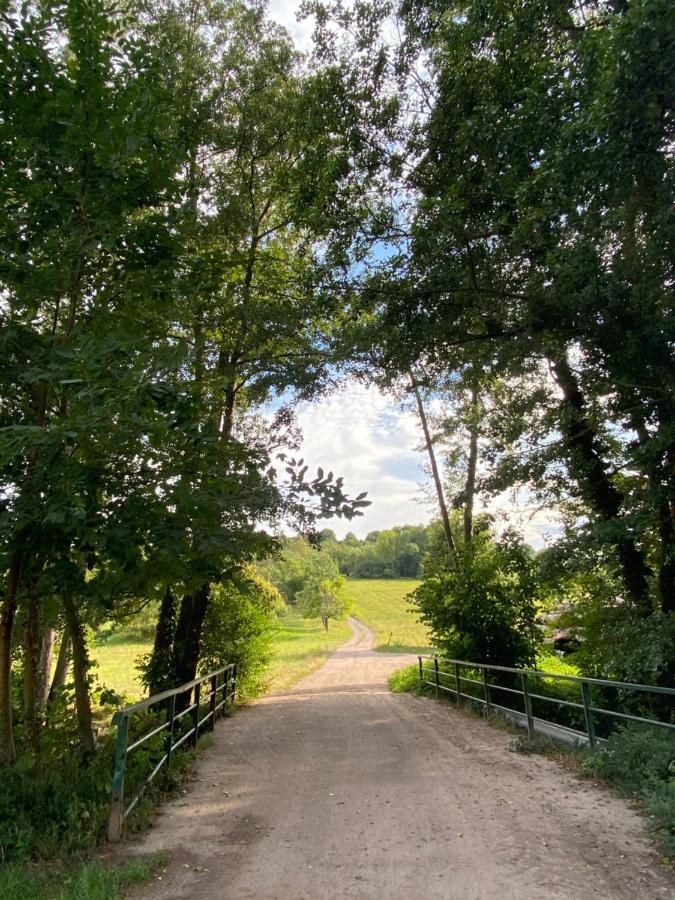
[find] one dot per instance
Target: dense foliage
(200, 227)
(484, 609)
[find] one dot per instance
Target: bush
(641, 762)
(238, 628)
(483, 609)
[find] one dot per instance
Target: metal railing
(221, 691)
(527, 691)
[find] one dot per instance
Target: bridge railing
(182, 713)
(452, 675)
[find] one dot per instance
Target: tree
(325, 598)
(483, 608)
(533, 237)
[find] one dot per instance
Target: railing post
(528, 705)
(116, 821)
(225, 675)
(169, 735)
(196, 713)
(419, 660)
(436, 679)
(234, 681)
(457, 684)
(588, 712)
(214, 684)
(486, 688)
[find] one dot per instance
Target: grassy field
(116, 662)
(301, 646)
(381, 604)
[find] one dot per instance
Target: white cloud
(285, 13)
(363, 435)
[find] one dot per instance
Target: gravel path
(342, 789)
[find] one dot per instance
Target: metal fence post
(214, 684)
(436, 678)
(234, 681)
(169, 734)
(196, 713)
(486, 688)
(457, 684)
(588, 712)
(419, 660)
(528, 705)
(116, 820)
(225, 674)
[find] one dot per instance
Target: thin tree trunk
(45, 666)
(445, 518)
(31, 670)
(590, 470)
(7, 616)
(62, 663)
(162, 673)
(188, 640)
(472, 463)
(85, 721)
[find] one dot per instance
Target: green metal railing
(221, 691)
(527, 691)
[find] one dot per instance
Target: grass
(116, 662)
(381, 604)
(81, 881)
(301, 646)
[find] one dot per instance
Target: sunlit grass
(90, 880)
(301, 646)
(116, 659)
(381, 604)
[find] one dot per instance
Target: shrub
(483, 609)
(641, 762)
(238, 628)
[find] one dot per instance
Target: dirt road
(342, 789)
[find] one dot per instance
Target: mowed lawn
(300, 647)
(115, 662)
(381, 604)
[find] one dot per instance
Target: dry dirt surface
(340, 788)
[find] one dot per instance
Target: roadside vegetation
(192, 221)
(91, 881)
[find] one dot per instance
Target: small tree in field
(326, 599)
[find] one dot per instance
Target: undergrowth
(80, 881)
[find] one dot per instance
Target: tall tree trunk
(7, 616)
(85, 721)
(472, 463)
(62, 663)
(161, 672)
(445, 518)
(188, 639)
(31, 670)
(590, 470)
(45, 666)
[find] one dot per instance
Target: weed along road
(340, 788)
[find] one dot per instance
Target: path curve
(339, 788)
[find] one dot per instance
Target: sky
(284, 12)
(365, 436)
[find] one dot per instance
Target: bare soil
(340, 788)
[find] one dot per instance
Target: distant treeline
(393, 553)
